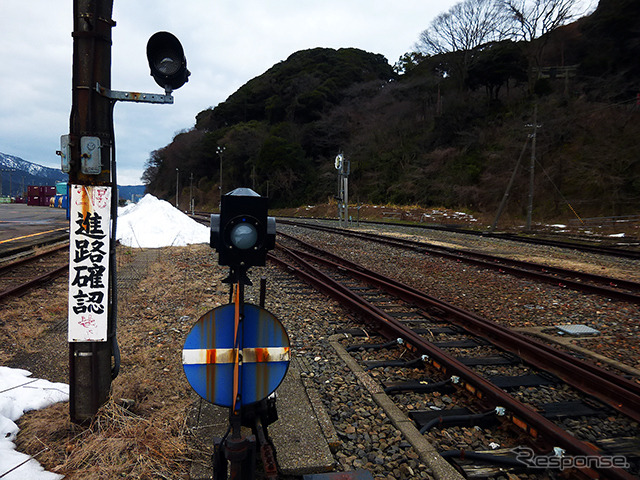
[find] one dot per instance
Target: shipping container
(33, 200)
(48, 191)
(61, 188)
(33, 191)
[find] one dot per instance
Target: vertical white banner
(90, 220)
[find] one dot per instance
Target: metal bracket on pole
(134, 96)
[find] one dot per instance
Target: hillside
(427, 137)
(18, 173)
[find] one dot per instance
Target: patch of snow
(20, 394)
(154, 223)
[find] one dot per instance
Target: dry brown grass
(508, 222)
(141, 432)
(118, 443)
(405, 213)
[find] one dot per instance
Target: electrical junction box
(65, 154)
(90, 155)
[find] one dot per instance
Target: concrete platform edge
(300, 436)
(322, 416)
(428, 454)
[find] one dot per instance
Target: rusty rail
(586, 246)
(31, 258)
(520, 268)
(34, 282)
(520, 414)
(618, 392)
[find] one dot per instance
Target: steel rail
(34, 282)
(31, 258)
(520, 413)
(11, 252)
(502, 262)
(512, 237)
(618, 392)
(502, 265)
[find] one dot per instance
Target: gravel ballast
(156, 316)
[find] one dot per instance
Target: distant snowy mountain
(18, 173)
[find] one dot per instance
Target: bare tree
(464, 27)
(532, 19)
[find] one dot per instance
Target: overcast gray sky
(226, 42)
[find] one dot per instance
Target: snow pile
(438, 214)
(154, 223)
(19, 394)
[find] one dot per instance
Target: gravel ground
(508, 300)
(369, 440)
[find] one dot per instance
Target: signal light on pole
(167, 61)
(243, 232)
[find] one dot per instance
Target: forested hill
(447, 131)
(300, 89)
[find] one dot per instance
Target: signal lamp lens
(168, 66)
(244, 236)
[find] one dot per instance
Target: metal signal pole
(177, 187)
(89, 153)
(191, 193)
(343, 165)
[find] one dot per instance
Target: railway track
(31, 271)
(28, 244)
(583, 245)
(564, 278)
(630, 252)
(409, 315)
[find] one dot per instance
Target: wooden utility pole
(532, 167)
(507, 192)
(89, 153)
(88, 156)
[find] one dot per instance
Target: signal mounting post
(257, 342)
